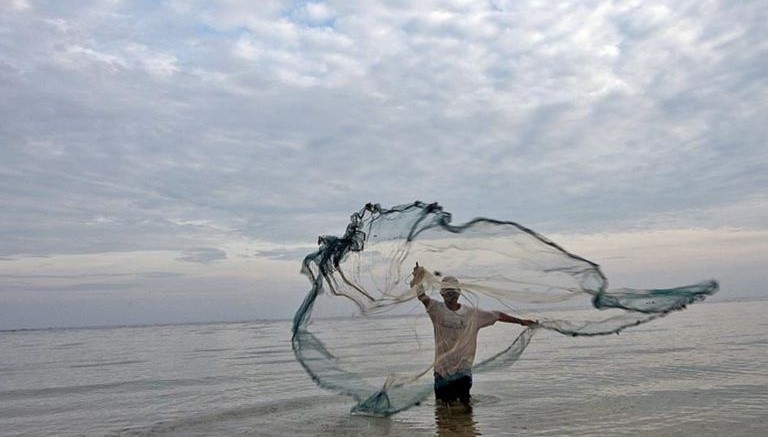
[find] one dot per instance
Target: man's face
(450, 295)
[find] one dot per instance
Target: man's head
(450, 289)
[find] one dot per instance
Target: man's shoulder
(434, 306)
(484, 313)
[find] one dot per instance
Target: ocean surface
(700, 372)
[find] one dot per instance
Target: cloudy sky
(172, 161)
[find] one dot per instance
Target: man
(455, 327)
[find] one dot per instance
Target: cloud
(89, 287)
(271, 117)
(18, 5)
(175, 126)
(295, 254)
(203, 255)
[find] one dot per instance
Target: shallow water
(703, 371)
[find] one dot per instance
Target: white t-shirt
(456, 335)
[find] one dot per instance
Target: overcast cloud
(197, 148)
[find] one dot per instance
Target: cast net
(362, 332)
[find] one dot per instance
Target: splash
(381, 358)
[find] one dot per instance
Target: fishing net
(361, 331)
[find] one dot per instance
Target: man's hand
(504, 317)
(418, 274)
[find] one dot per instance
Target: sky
(173, 161)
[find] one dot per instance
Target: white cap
(449, 283)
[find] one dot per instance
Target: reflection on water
(455, 419)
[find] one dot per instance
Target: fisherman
(456, 327)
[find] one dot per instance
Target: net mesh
(362, 332)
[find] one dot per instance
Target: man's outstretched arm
(422, 296)
(504, 317)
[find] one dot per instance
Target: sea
(698, 372)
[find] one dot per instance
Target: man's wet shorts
(452, 387)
